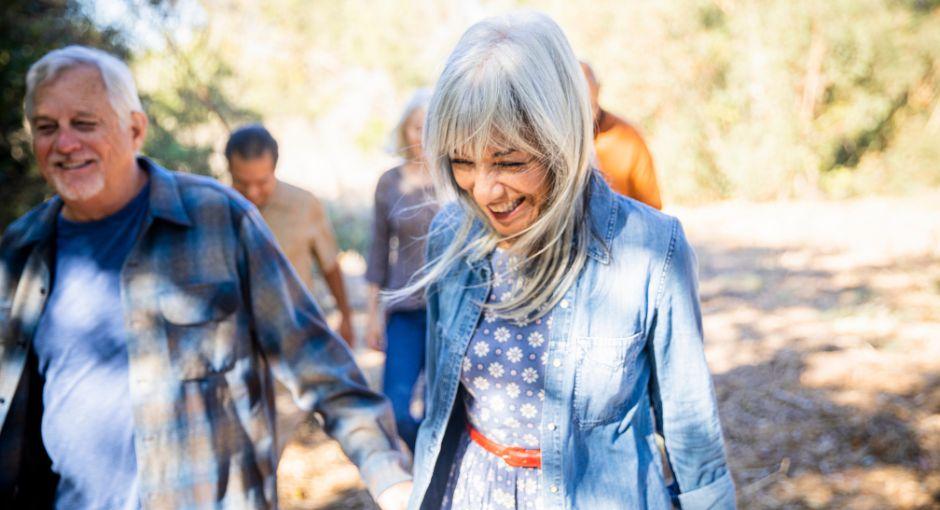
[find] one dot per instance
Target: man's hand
(395, 497)
(346, 329)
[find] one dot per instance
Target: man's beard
(78, 188)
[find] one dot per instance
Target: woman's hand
(395, 497)
(375, 337)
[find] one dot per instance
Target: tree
(28, 30)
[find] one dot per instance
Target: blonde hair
(513, 81)
(399, 143)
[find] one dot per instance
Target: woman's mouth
(504, 211)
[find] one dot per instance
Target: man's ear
(139, 123)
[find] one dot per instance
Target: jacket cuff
(718, 495)
(382, 471)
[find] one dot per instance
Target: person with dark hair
(296, 217)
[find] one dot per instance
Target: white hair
(116, 76)
(513, 81)
(419, 99)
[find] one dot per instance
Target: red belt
(513, 455)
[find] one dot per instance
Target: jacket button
(553, 489)
(552, 426)
(3, 401)
(556, 363)
(564, 303)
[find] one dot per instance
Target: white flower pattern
(481, 383)
(502, 374)
(528, 410)
(496, 369)
(530, 375)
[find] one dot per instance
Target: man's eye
(85, 126)
(511, 164)
(45, 128)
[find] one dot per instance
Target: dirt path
(823, 331)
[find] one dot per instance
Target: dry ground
(823, 332)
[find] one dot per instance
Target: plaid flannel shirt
(212, 308)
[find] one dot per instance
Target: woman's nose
(486, 186)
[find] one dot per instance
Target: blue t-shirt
(81, 343)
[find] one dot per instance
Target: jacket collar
(602, 212)
(43, 225)
(165, 200)
(165, 203)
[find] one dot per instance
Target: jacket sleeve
(311, 360)
(683, 396)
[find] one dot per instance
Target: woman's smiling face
(510, 186)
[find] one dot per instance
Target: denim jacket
(630, 339)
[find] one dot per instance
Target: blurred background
(798, 140)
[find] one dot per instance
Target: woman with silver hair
(564, 324)
(404, 207)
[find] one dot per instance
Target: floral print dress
(502, 377)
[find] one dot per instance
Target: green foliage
(190, 108)
(775, 96)
(28, 30)
(352, 223)
(737, 99)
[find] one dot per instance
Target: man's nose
(66, 142)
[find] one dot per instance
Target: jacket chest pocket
(605, 376)
(201, 328)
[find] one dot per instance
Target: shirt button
(564, 303)
(556, 363)
(553, 488)
(552, 426)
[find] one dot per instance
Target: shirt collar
(165, 200)
(44, 224)
(165, 203)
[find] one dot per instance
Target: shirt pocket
(605, 376)
(200, 327)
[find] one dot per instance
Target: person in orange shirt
(622, 155)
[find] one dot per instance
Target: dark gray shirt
(399, 231)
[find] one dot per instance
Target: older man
(142, 313)
(622, 155)
(297, 219)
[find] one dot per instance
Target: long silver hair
(399, 142)
(513, 81)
